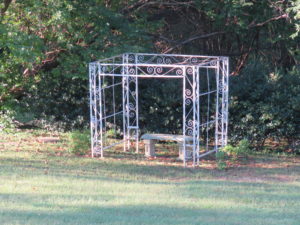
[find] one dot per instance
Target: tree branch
(6, 5)
(51, 56)
(162, 38)
(143, 3)
(164, 3)
(192, 39)
(134, 6)
(268, 21)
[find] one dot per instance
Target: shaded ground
(41, 183)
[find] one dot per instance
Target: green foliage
(79, 142)
(236, 28)
(242, 149)
(113, 133)
(235, 153)
(161, 105)
(265, 104)
(6, 122)
(45, 49)
(294, 10)
(221, 157)
(61, 101)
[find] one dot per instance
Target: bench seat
(166, 137)
(150, 139)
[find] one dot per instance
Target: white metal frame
(129, 67)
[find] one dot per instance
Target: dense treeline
(45, 47)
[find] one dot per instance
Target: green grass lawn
(41, 183)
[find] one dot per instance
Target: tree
(236, 28)
(53, 39)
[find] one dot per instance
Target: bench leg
(188, 151)
(149, 148)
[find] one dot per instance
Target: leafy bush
(6, 121)
(45, 70)
(265, 104)
(79, 142)
(221, 160)
(59, 102)
(160, 105)
(241, 150)
(235, 153)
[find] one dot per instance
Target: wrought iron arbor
(114, 100)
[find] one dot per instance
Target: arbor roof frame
(129, 68)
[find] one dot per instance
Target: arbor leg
(149, 148)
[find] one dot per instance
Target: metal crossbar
(112, 115)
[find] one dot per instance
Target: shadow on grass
(263, 193)
(194, 196)
(148, 214)
(156, 194)
(97, 167)
(128, 170)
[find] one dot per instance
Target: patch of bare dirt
(272, 169)
(48, 139)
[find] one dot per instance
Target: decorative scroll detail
(188, 101)
(131, 70)
(188, 97)
(141, 58)
(190, 123)
(150, 70)
(189, 127)
(97, 90)
(213, 63)
(131, 106)
(131, 58)
(132, 114)
(160, 60)
(167, 60)
(188, 92)
(221, 87)
(103, 69)
(194, 60)
(159, 70)
(189, 70)
(189, 131)
(179, 72)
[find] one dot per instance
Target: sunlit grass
(40, 186)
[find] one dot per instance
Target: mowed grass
(41, 183)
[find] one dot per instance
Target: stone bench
(150, 140)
